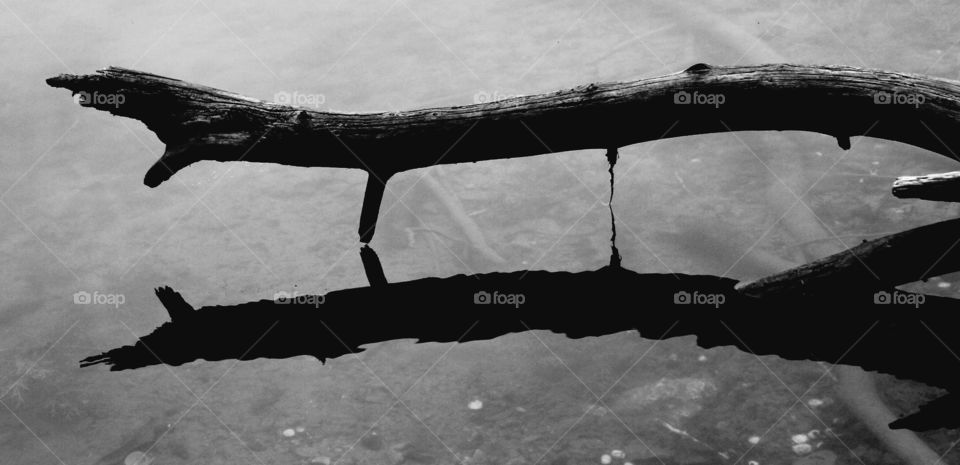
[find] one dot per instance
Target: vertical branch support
(615, 258)
(372, 197)
(372, 267)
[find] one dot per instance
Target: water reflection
(77, 218)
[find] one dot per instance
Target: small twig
(683, 184)
(689, 436)
(460, 217)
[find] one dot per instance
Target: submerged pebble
(802, 448)
(605, 459)
(137, 458)
(289, 433)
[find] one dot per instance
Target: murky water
(77, 218)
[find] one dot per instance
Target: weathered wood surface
(943, 187)
(201, 123)
(905, 257)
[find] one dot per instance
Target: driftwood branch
(202, 123)
(889, 261)
(944, 187)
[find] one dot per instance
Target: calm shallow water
(78, 218)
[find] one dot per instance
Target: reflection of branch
(594, 303)
(889, 261)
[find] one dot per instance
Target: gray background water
(75, 215)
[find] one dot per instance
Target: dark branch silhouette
(888, 338)
(202, 123)
(913, 255)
